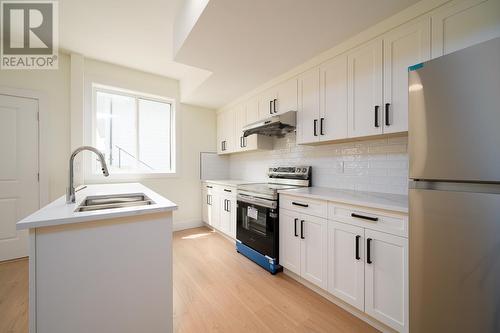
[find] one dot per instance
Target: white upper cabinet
(252, 108)
(286, 97)
(309, 104)
(333, 99)
(225, 131)
(346, 267)
(461, 24)
(405, 46)
(386, 276)
(365, 84)
(266, 103)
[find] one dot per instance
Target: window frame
(89, 172)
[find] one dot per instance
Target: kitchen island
(102, 264)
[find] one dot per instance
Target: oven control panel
(302, 172)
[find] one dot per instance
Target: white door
(462, 24)
(225, 217)
(232, 209)
(403, 47)
(19, 188)
(205, 202)
(266, 103)
(252, 106)
(289, 241)
(286, 99)
(240, 119)
(365, 90)
(213, 210)
(308, 114)
(220, 133)
(333, 108)
(386, 279)
(346, 267)
(314, 250)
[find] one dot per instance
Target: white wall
(55, 85)
(379, 165)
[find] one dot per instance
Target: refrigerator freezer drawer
(454, 116)
(454, 261)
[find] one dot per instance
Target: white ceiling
(243, 43)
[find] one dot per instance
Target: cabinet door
(205, 202)
(229, 134)
(252, 107)
(232, 210)
(220, 134)
(333, 99)
(308, 114)
(462, 24)
(240, 119)
(365, 90)
(386, 279)
(286, 97)
(346, 263)
(403, 47)
(266, 103)
(313, 250)
(214, 211)
(289, 241)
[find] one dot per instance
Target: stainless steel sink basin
(100, 202)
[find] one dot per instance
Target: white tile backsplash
(377, 165)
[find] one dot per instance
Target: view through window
(134, 132)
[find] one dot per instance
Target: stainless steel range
(257, 227)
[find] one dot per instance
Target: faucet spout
(70, 193)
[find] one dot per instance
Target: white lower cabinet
(219, 208)
(346, 267)
(386, 279)
(365, 268)
(303, 246)
(227, 209)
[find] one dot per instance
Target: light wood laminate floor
(215, 290)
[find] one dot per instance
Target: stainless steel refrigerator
(454, 149)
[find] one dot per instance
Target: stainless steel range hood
(278, 125)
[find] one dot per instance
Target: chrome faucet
(70, 193)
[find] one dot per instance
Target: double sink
(101, 202)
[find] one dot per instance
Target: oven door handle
(258, 201)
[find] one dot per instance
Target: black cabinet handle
(241, 142)
(387, 120)
(270, 107)
(222, 145)
(226, 190)
(300, 204)
(376, 116)
(229, 206)
(244, 141)
(295, 227)
(208, 186)
(321, 120)
(315, 125)
(357, 247)
(208, 199)
(374, 219)
(302, 229)
(368, 251)
(274, 105)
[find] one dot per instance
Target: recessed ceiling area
(228, 47)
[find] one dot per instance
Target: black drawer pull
(270, 107)
(315, 125)
(208, 186)
(368, 251)
(321, 120)
(302, 229)
(357, 247)
(375, 219)
(295, 227)
(376, 116)
(300, 204)
(387, 120)
(227, 190)
(274, 105)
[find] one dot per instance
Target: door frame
(43, 160)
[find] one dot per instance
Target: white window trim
(92, 177)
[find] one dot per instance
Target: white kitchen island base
(98, 277)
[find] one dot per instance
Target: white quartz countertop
(229, 182)
(59, 213)
(393, 202)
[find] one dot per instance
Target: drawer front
(396, 224)
(225, 190)
(304, 205)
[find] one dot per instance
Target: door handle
(271, 107)
(208, 199)
(374, 219)
(321, 120)
(368, 251)
(302, 229)
(295, 227)
(357, 247)
(226, 190)
(300, 204)
(274, 105)
(241, 142)
(387, 120)
(315, 125)
(376, 116)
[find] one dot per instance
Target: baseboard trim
(189, 224)
(352, 310)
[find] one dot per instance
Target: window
(135, 132)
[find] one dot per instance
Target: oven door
(257, 224)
